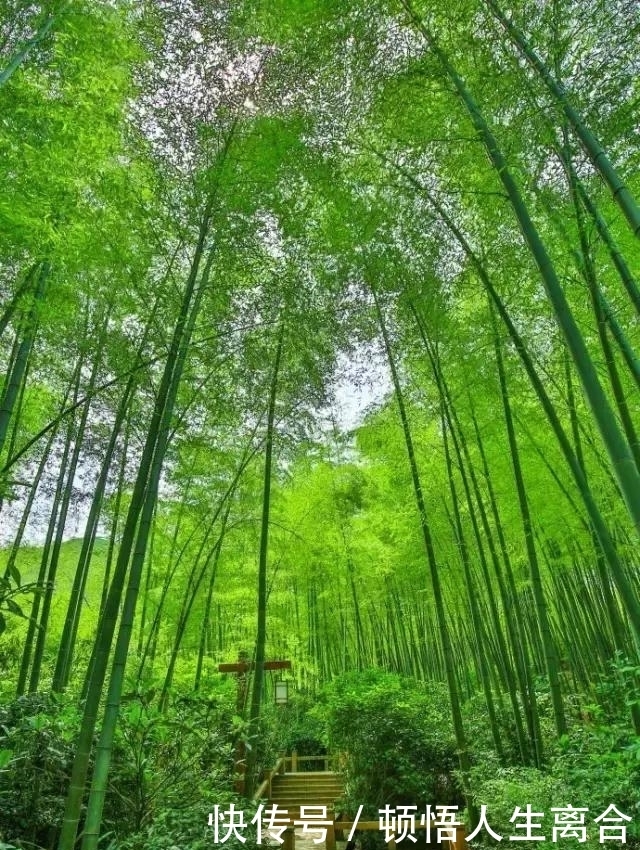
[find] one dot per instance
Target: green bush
(397, 741)
(167, 772)
(37, 744)
(502, 789)
(186, 827)
(298, 727)
(600, 765)
(167, 768)
(593, 767)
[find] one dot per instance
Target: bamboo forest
(319, 424)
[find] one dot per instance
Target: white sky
(363, 382)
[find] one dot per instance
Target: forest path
(304, 841)
(316, 791)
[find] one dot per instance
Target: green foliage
(298, 726)
(592, 767)
(169, 770)
(280, 162)
(186, 827)
(598, 765)
(20, 585)
(396, 739)
(11, 586)
(502, 789)
(37, 743)
(481, 741)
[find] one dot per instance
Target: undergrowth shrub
(168, 772)
(396, 739)
(596, 764)
(37, 745)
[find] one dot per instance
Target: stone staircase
(307, 788)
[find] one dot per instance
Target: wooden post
(241, 668)
(240, 782)
(269, 777)
(459, 843)
(294, 761)
(330, 843)
(289, 839)
(337, 830)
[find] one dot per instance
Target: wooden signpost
(241, 667)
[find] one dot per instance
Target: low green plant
(37, 736)
(298, 727)
(396, 739)
(175, 761)
(594, 765)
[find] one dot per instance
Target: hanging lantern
(281, 692)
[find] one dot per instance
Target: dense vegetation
(220, 224)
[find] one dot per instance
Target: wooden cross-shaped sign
(241, 667)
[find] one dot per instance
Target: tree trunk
(261, 634)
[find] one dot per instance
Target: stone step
(311, 782)
(293, 812)
(286, 791)
(290, 791)
(295, 806)
(309, 773)
(307, 799)
(326, 784)
(304, 789)
(309, 793)
(308, 777)
(306, 793)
